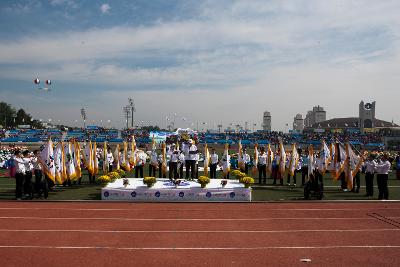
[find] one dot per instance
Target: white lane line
(199, 248)
(198, 231)
(195, 210)
(186, 219)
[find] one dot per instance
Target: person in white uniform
(382, 169)
(213, 163)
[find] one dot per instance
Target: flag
(255, 162)
(226, 168)
(95, 160)
(47, 160)
(164, 159)
(87, 157)
(60, 173)
(132, 159)
(340, 156)
(241, 163)
(64, 166)
(69, 162)
(206, 159)
(116, 157)
(310, 160)
(58, 163)
(352, 165)
(270, 158)
(105, 158)
(153, 144)
(125, 160)
(282, 163)
(325, 156)
(77, 159)
(294, 160)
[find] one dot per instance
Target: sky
(192, 61)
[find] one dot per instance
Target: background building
(365, 122)
(298, 123)
(366, 117)
(316, 115)
(266, 125)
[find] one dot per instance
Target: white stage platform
(164, 191)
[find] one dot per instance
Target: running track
(184, 234)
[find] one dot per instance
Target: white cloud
(105, 8)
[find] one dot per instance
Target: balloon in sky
(48, 82)
(36, 81)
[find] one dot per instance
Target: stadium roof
(350, 122)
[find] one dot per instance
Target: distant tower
(366, 116)
(298, 123)
(266, 121)
(320, 114)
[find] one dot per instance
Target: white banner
(164, 191)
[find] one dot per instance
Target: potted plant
(114, 176)
(103, 179)
(203, 181)
(149, 181)
(121, 173)
(247, 181)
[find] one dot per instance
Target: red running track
(182, 234)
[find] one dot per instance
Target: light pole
(127, 111)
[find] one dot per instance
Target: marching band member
(181, 162)
(28, 173)
(173, 162)
(190, 159)
(140, 162)
(383, 168)
(153, 163)
(246, 161)
(262, 166)
(213, 164)
(226, 165)
(110, 159)
(19, 173)
(370, 166)
(37, 167)
(160, 161)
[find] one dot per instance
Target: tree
(7, 114)
(10, 118)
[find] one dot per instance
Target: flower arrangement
(103, 179)
(114, 176)
(121, 173)
(125, 182)
(149, 181)
(239, 175)
(247, 181)
(203, 181)
(223, 183)
(235, 172)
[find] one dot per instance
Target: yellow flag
(206, 159)
(164, 159)
(105, 158)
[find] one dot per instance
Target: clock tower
(366, 119)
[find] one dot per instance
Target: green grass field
(87, 191)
